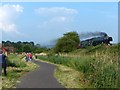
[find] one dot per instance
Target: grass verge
(70, 78)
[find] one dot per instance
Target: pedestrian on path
(3, 63)
(27, 57)
(30, 56)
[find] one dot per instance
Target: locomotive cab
(110, 39)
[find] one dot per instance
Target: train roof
(93, 38)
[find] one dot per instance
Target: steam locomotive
(104, 39)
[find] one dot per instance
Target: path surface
(40, 78)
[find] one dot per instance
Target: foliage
(67, 43)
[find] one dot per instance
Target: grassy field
(16, 68)
(98, 65)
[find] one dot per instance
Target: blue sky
(45, 22)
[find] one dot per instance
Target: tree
(67, 43)
(27, 48)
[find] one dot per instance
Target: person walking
(3, 63)
(30, 56)
(27, 57)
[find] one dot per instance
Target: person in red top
(30, 55)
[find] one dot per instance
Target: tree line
(24, 46)
(69, 42)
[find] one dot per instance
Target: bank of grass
(99, 65)
(16, 68)
(70, 78)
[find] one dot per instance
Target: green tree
(27, 48)
(67, 43)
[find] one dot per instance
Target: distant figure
(3, 63)
(27, 57)
(30, 56)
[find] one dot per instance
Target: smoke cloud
(92, 34)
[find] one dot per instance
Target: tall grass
(99, 64)
(15, 61)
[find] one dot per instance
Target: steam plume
(92, 34)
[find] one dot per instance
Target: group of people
(28, 57)
(3, 63)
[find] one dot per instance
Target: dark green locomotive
(96, 41)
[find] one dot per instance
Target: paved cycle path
(42, 77)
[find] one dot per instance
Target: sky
(44, 22)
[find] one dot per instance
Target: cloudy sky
(44, 22)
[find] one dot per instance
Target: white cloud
(56, 14)
(58, 19)
(56, 11)
(8, 14)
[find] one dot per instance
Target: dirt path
(40, 78)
